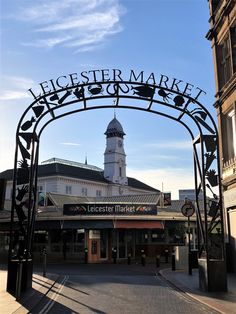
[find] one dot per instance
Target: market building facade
(222, 35)
(69, 226)
(85, 212)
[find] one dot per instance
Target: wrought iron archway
(160, 100)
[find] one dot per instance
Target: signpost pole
(189, 250)
(188, 210)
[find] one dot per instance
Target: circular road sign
(188, 210)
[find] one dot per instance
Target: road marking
(55, 295)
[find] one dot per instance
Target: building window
(233, 45)
(215, 4)
(229, 135)
(98, 193)
(157, 235)
(68, 189)
(143, 236)
(84, 191)
(40, 188)
(224, 62)
(120, 171)
(226, 56)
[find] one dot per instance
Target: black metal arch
(162, 101)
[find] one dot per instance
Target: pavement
(29, 299)
(223, 302)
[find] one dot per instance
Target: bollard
(44, 262)
(143, 258)
(129, 258)
(189, 263)
(41, 256)
(19, 279)
(114, 255)
(86, 256)
(64, 249)
(166, 256)
(158, 261)
(173, 260)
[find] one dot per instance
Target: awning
(6, 226)
(98, 224)
(125, 224)
(92, 224)
(73, 224)
(47, 224)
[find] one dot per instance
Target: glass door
(124, 241)
(130, 243)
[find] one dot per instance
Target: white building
(78, 179)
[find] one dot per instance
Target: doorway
(124, 241)
(104, 244)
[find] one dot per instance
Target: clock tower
(114, 156)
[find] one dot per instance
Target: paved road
(116, 290)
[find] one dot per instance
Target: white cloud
(173, 179)
(89, 48)
(94, 38)
(49, 42)
(70, 144)
(89, 22)
(18, 88)
(13, 94)
(45, 11)
(19, 82)
(73, 23)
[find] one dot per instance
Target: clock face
(120, 143)
(120, 190)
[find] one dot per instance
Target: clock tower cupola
(114, 156)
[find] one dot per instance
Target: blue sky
(41, 40)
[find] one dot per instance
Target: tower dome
(114, 129)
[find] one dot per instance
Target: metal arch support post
(212, 264)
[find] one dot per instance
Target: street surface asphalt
(113, 289)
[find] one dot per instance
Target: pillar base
(212, 275)
(27, 271)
